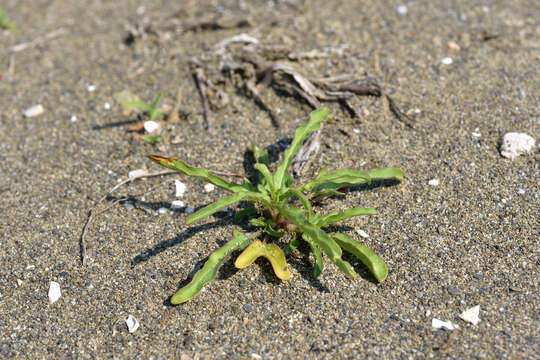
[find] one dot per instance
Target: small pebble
(177, 204)
(362, 233)
(402, 10)
(476, 134)
(447, 61)
(151, 126)
(132, 324)
(440, 324)
(34, 111)
(471, 315)
(180, 188)
(521, 192)
(30, 267)
(91, 88)
(256, 356)
(107, 106)
(433, 182)
(73, 118)
(453, 46)
(162, 210)
(190, 210)
(514, 144)
(209, 187)
(356, 131)
(54, 292)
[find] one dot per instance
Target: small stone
(447, 61)
(476, 134)
(136, 173)
(356, 131)
(452, 45)
(54, 292)
(433, 182)
(132, 324)
(91, 88)
(362, 233)
(151, 126)
(471, 315)
(107, 106)
(19, 282)
(31, 267)
(478, 276)
(209, 187)
(73, 118)
(440, 324)
(521, 191)
(190, 210)
(180, 188)
(256, 356)
(34, 111)
(514, 144)
(402, 10)
(177, 204)
(163, 210)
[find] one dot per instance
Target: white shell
(54, 292)
(34, 111)
(136, 173)
(362, 233)
(515, 144)
(180, 188)
(177, 204)
(209, 187)
(433, 182)
(132, 324)
(471, 315)
(150, 126)
(439, 324)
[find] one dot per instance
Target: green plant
(152, 139)
(4, 22)
(284, 210)
(152, 110)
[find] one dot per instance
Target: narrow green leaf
(302, 133)
(137, 104)
(156, 102)
(305, 202)
(260, 155)
(335, 216)
(267, 176)
(215, 207)
(245, 212)
(339, 177)
(202, 174)
(318, 267)
(374, 263)
(327, 244)
(209, 271)
(386, 174)
(293, 244)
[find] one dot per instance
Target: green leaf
(267, 176)
(202, 174)
(302, 133)
(374, 263)
(215, 207)
(386, 174)
(293, 244)
(138, 104)
(156, 102)
(260, 155)
(267, 227)
(327, 245)
(318, 267)
(152, 139)
(210, 268)
(305, 202)
(4, 22)
(345, 177)
(335, 216)
(245, 212)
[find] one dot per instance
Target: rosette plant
(283, 210)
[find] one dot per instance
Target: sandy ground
(471, 240)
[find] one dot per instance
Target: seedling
(4, 22)
(284, 210)
(152, 110)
